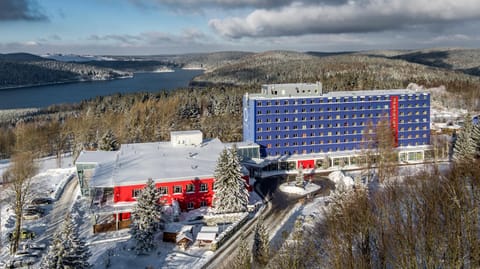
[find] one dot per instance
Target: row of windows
(189, 188)
(273, 152)
(328, 125)
(191, 205)
(334, 141)
(340, 99)
(321, 134)
(336, 108)
(336, 117)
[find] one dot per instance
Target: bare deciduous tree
(19, 176)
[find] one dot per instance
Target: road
(60, 208)
(279, 206)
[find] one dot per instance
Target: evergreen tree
(476, 137)
(67, 249)
(261, 247)
(243, 258)
(109, 142)
(464, 148)
(145, 215)
(231, 194)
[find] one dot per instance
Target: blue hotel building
(299, 121)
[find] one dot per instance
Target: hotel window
(337, 117)
(259, 112)
(163, 190)
(269, 146)
(190, 205)
(259, 103)
(304, 110)
(259, 129)
(136, 193)
(190, 188)
(286, 135)
(177, 189)
(287, 144)
(268, 103)
(203, 203)
(259, 120)
(295, 119)
(203, 187)
(259, 137)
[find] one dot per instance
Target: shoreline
(60, 82)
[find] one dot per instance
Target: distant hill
(353, 71)
(23, 69)
(20, 57)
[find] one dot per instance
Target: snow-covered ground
(115, 248)
(49, 182)
(290, 187)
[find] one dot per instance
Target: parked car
(21, 262)
(33, 212)
(42, 201)
(28, 253)
(24, 234)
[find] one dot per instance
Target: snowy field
(49, 182)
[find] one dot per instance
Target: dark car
(42, 201)
(33, 212)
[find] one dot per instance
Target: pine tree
(243, 258)
(67, 249)
(231, 194)
(261, 247)
(109, 142)
(145, 215)
(476, 137)
(464, 148)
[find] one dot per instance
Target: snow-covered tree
(476, 137)
(300, 178)
(109, 142)
(242, 259)
(464, 148)
(144, 216)
(231, 194)
(68, 250)
(261, 247)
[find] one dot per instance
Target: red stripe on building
(394, 117)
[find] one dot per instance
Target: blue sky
(136, 27)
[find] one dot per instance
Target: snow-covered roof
(95, 157)
(135, 163)
(209, 229)
(187, 236)
(206, 236)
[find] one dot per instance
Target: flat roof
(95, 157)
(136, 163)
(185, 132)
(341, 94)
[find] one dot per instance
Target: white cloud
(362, 16)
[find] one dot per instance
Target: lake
(43, 96)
